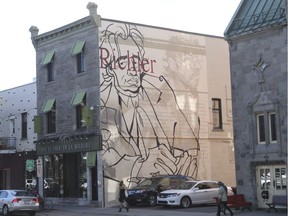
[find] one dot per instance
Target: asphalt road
(154, 211)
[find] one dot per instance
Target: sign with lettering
(30, 165)
(84, 144)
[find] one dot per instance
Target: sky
(18, 56)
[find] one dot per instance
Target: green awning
(78, 98)
(48, 105)
(48, 58)
(91, 159)
(78, 48)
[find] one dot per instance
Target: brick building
(120, 101)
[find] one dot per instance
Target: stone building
(122, 101)
(257, 37)
(17, 148)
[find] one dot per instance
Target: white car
(191, 192)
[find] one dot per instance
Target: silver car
(18, 201)
(191, 192)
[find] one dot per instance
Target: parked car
(147, 190)
(18, 201)
(191, 192)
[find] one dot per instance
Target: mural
(148, 127)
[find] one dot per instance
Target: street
(153, 211)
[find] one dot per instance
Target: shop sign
(81, 144)
(39, 167)
(30, 165)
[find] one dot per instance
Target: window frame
(272, 128)
(261, 128)
(50, 71)
(80, 120)
(217, 114)
(24, 125)
(269, 128)
(51, 120)
(80, 63)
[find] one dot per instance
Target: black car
(147, 190)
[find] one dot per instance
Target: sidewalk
(112, 211)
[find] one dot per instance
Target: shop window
(217, 113)
(280, 179)
(24, 125)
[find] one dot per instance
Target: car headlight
(173, 195)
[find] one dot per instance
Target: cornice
(79, 25)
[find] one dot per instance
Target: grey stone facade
(258, 61)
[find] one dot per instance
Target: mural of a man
(140, 136)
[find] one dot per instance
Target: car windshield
(21, 193)
(149, 182)
(186, 185)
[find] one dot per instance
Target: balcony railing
(7, 143)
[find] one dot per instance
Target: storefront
(65, 165)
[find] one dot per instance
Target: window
(50, 72)
(79, 101)
(51, 120)
(266, 128)
(49, 108)
(78, 51)
(80, 121)
(272, 127)
(12, 125)
(48, 61)
(24, 125)
(217, 113)
(80, 63)
(261, 128)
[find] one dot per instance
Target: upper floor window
(272, 127)
(80, 62)
(24, 125)
(48, 61)
(78, 51)
(50, 72)
(49, 108)
(217, 113)
(79, 101)
(266, 127)
(260, 129)
(51, 120)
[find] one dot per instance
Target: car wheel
(5, 210)
(151, 200)
(185, 202)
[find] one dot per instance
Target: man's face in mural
(126, 71)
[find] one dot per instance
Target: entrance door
(271, 180)
(71, 175)
(94, 184)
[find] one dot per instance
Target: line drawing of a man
(138, 131)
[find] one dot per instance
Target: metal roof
(256, 14)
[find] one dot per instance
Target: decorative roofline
(93, 20)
